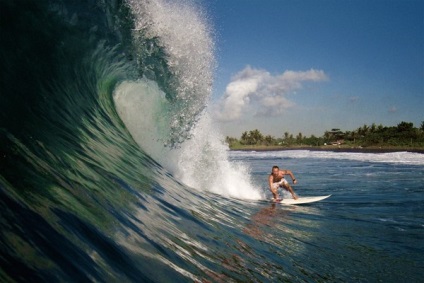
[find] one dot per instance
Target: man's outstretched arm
(290, 173)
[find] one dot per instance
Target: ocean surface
(112, 170)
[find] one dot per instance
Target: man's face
(275, 171)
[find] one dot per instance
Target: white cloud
(257, 92)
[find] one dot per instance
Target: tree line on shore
(404, 134)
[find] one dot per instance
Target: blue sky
(310, 66)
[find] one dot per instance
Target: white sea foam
(184, 33)
(202, 160)
(390, 157)
(204, 164)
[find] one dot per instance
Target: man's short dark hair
(275, 167)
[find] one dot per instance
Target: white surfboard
(301, 200)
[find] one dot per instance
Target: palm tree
(299, 138)
(244, 137)
(269, 139)
(327, 135)
(373, 128)
(365, 129)
(256, 136)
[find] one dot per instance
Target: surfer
(276, 180)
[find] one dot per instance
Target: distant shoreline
(331, 148)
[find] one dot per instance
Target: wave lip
(166, 112)
(176, 38)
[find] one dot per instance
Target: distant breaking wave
(390, 157)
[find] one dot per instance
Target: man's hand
(294, 181)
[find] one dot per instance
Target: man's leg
(274, 192)
(289, 188)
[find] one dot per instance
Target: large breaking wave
(107, 148)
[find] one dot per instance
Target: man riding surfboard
(276, 180)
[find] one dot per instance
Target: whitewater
(112, 168)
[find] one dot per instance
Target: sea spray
(178, 31)
(204, 164)
(201, 161)
(167, 116)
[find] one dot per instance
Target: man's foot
(295, 197)
(277, 200)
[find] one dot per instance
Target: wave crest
(179, 37)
